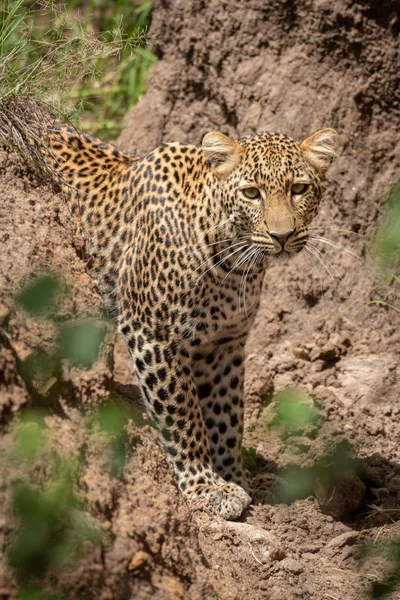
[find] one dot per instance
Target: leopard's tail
(93, 173)
(82, 165)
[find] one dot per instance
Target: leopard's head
(271, 185)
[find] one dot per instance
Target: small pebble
(344, 539)
(292, 565)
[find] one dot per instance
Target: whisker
(261, 256)
(314, 263)
(239, 261)
(339, 229)
(216, 254)
(242, 287)
(327, 261)
(225, 258)
(242, 259)
(318, 256)
(235, 264)
(212, 244)
(242, 274)
(338, 246)
(249, 270)
(218, 225)
(330, 264)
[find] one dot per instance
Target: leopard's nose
(281, 237)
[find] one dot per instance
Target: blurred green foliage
(29, 439)
(38, 298)
(386, 247)
(80, 341)
(295, 412)
(112, 419)
(294, 415)
(295, 482)
(387, 242)
(53, 526)
(297, 419)
(390, 549)
(37, 594)
(91, 52)
(42, 374)
(77, 342)
(249, 457)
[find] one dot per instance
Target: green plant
(38, 297)
(112, 418)
(396, 279)
(386, 247)
(249, 457)
(77, 341)
(294, 413)
(390, 549)
(53, 527)
(99, 61)
(35, 594)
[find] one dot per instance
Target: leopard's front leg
(219, 375)
(171, 398)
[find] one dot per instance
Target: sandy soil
(293, 67)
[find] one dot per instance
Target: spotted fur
(180, 250)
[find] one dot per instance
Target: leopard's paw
(233, 501)
(229, 499)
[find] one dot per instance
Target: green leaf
(80, 342)
(294, 483)
(249, 457)
(30, 441)
(34, 594)
(387, 242)
(294, 412)
(39, 366)
(112, 418)
(39, 297)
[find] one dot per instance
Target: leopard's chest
(224, 313)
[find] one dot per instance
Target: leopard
(180, 241)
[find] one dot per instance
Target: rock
(344, 539)
(174, 587)
(362, 379)
(264, 545)
(292, 565)
(138, 560)
(341, 495)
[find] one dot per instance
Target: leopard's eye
(252, 193)
(299, 188)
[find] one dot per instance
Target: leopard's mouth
(296, 246)
(273, 247)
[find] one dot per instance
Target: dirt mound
(292, 67)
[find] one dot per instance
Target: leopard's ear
(320, 149)
(223, 154)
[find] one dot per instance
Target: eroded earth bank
(294, 67)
